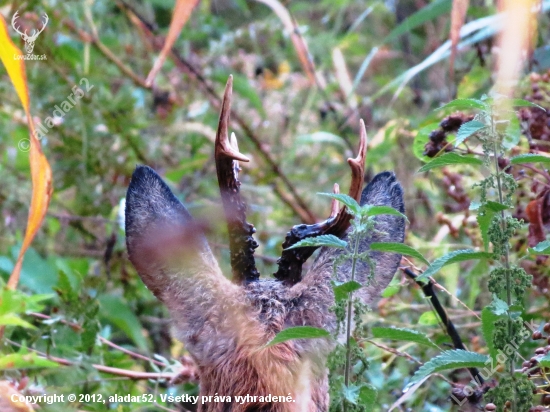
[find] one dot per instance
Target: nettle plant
(484, 141)
(347, 363)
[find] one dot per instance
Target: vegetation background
(304, 72)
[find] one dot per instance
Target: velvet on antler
(291, 261)
(241, 240)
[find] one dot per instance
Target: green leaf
(348, 201)
(425, 14)
(298, 332)
(468, 129)
(525, 103)
(529, 158)
(11, 319)
(448, 159)
(428, 318)
(484, 218)
(542, 248)
(323, 240)
(372, 211)
(489, 315)
(117, 312)
(25, 360)
(452, 257)
(462, 104)
(451, 359)
(544, 362)
(368, 395)
(422, 137)
(398, 248)
(407, 335)
(495, 206)
(342, 291)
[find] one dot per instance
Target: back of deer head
(225, 323)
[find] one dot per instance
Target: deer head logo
(29, 39)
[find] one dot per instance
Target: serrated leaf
(529, 158)
(496, 206)
(452, 257)
(342, 291)
(348, 201)
(524, 103)
(372, 211)
(449, 159)
(484, 218)
(468, 129)
(298, 332)
(428, 319)
(542, 248)
(323, 240)
(398, 248)
(462, 104)
(451, 359)
(403, 334)
(489, 315)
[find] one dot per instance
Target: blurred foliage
(80, 300)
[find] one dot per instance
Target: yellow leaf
(182, 11)
(41, 174)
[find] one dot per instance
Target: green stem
(350, 307)
(511, 364)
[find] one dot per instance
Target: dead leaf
(182, 11)
(536, 230)
(458, 16)
(41, 173)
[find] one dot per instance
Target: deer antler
(291, 261)
(241, 240)
(15, 16)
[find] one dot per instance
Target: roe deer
(225, 324)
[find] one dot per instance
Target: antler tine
(226, 154)
(291, 261)
(357, 165)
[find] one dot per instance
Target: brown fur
(225, 326)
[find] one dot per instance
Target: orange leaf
(182, 11)
(41, 173)
(458, 15)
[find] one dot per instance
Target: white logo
(29, 39)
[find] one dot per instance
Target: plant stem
(350, 307)
(511, 367)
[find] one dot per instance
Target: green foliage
(403, 334)
(450, 159)
(450, 359)
(298, 332)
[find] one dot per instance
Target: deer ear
(161, 236)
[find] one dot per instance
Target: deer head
(29, 39)
(225, 323)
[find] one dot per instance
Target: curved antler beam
(241, 240)
(291, 261)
